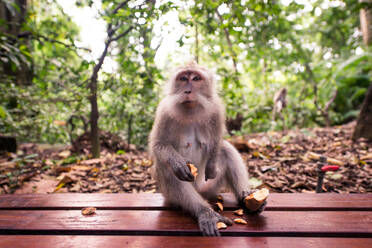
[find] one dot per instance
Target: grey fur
(182, 135)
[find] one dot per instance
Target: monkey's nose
(187, 92)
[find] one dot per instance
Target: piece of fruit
(221, 225)
(220, 198)
(193, 169)
(220, 206)
(88, 211)
(240, 221)
(239, 212)
(257, 199)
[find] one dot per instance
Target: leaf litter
(280, 161)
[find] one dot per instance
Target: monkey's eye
(196, 78)
(183, 78)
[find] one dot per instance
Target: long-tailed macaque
(280, 102)
(188, 128)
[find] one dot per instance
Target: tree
(364, 122)
(363, 127)
(111, 37)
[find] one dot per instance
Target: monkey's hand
(210, 170)
(244, 194)
(182, 171)
(207, 220)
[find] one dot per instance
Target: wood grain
(276, 202)
(129, 222)
(38, 241)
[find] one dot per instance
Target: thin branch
(28, 34)
(121, 35)
(70, 46)
(333, 98)
(227, 35)
(326, 107)
(119, 7)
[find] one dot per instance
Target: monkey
(280, 102)
(188, 128)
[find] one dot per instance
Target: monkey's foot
(243, 195)
(207, 221)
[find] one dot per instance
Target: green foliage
(254, 47)
(353, 78)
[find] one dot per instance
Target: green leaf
(254, 182)
(3, 112)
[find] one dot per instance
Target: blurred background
(75, 72)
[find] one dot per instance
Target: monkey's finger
(181, 173)
(213, 229)
(187, 174)
(178, 174)
(226, 220)
(204, 229)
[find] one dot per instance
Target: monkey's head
(192, 88)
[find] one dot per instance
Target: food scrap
(239, 212)
(193, 169)
(221, 225)
(88, 211)
(240, 221)
(257, 199)
(220, 206)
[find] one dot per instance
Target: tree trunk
(366, 22)
(364, 122)
(94, 136)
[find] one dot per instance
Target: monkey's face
(190, 86)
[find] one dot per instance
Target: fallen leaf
(81, 167)
(92, 161)
(65, 180)
(255, 182)
(64, 154)
(146, 162)
(366, 157)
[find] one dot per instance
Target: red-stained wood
(129, 222)
(38, 241)
(276, 202)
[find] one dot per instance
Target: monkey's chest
(193, 146)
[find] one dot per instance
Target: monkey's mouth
(189, 103)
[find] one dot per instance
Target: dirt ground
(281, 161)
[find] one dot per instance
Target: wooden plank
(129, 222)
(38, 241)
(276, 202)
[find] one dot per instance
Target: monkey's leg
(236, 173)
(184, 195)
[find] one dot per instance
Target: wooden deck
(143, 220)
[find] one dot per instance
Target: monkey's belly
(191, 146)
(193, 149)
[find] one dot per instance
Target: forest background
(53, 89)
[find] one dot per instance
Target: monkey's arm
(165, 153)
